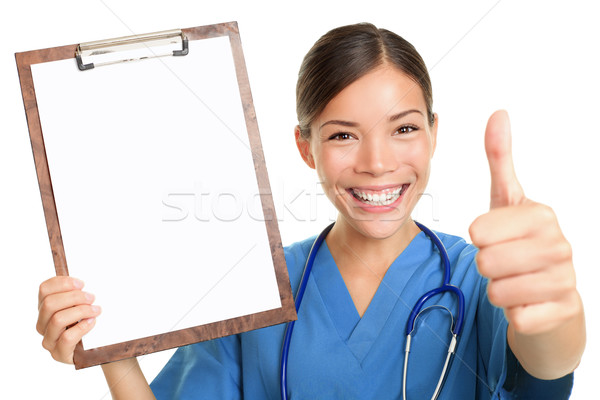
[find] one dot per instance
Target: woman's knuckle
(46, 344)
(61, 354)
(545, 212)
(47, 305)
(69, 337)
(39, 328)
(519, 322)
(43, 290)
(569, 281)
(482, 261)
(57, 321)
(494, 294)
(474, 231)
(564, 250)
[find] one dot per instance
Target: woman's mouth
(377, 198)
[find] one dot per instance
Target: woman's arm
(552, 354)
(529, 264)
(126, 380)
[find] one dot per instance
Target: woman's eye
(406, 129)
(340, 136)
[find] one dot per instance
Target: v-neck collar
(358, 333)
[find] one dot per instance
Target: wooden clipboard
(178, 337)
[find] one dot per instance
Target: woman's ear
(434, 129)
(303, 145)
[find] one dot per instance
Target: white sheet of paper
(156, 193)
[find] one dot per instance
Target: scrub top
(336, 354)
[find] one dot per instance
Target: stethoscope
(455, 328)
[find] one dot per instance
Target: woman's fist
(66, 314)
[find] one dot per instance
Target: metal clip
(131, 48)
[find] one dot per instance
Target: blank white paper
(156, 193)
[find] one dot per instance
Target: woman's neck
(350, 247)
(363, 261)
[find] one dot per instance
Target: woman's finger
(522, 256)
(544, 317)
(58, 284)
(60, 320)
(64, 347)
(513, 222)
(59, 301)
(542, 286)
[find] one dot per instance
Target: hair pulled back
(345, 54)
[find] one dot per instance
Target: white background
(537, 59)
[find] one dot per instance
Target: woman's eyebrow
(340, 122)
(351, 124)
(403, 114)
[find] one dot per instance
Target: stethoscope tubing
(445, 287)
(290, 326)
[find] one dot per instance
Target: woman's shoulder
(455, 243)
(301, 247)
(296, 253)
(460, 252)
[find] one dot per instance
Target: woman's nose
(375, 155)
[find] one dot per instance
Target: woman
(367, 127)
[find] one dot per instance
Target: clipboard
(75, 163)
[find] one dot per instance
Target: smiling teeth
(383, 198)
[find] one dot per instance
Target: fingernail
(89, 297)
(77, 283)
(96, 309)
(89, 321)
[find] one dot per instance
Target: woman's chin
(379, 229)
(373, 222)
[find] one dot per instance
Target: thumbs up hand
(528, 261)
(506, 189)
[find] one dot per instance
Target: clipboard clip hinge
(131, 48)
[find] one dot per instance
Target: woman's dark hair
(345, 54)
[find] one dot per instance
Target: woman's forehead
(382, 94)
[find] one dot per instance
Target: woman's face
(371, 147)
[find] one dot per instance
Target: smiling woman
(366, 125)
(364, 104)
(373, 139)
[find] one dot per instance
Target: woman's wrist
(126, 380)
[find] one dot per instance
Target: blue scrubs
(335, 354)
